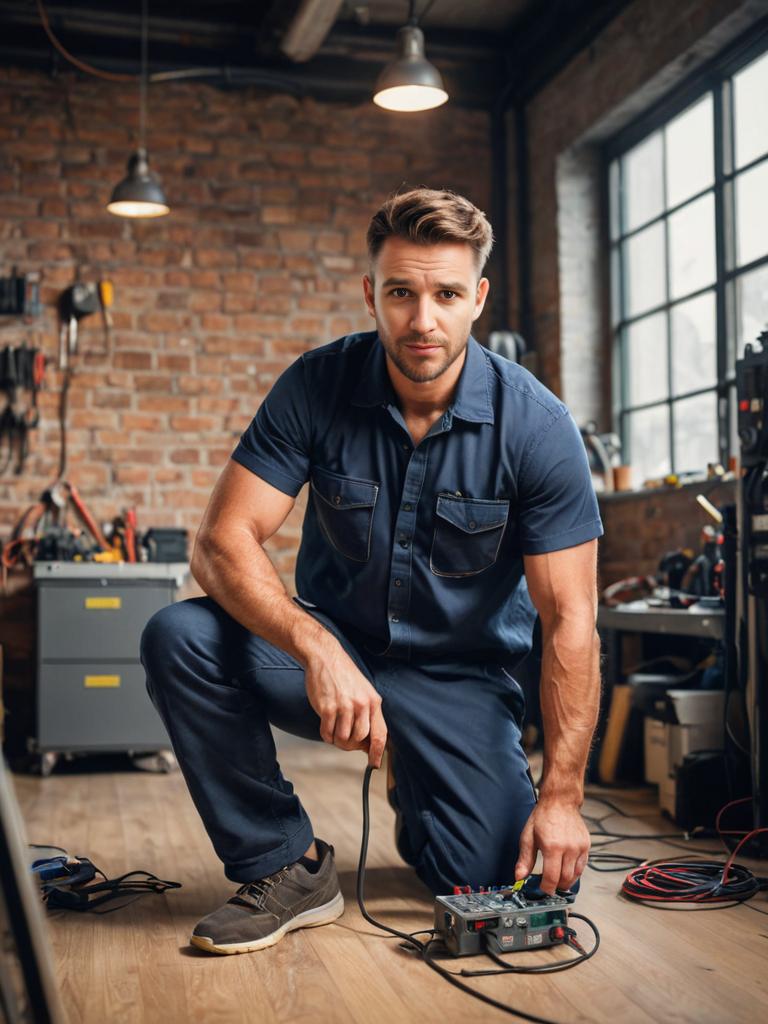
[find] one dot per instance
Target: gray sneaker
(261, 912)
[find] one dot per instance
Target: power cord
(430, 949)
(691, 881)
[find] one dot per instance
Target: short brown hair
(428, 216)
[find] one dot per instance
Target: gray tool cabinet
(90, 682)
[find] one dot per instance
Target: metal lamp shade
(410, 82)
(140, 193)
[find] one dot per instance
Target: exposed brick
(132, 474)
(185, 456)
(133, 360)
(271, 197)
(192, 424)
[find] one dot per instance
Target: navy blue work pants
(462, 780)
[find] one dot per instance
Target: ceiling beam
(310, 25)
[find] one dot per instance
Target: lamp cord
(143, 78)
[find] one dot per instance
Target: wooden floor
(135, 965)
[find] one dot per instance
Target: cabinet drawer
(96, 706)
(96, 621)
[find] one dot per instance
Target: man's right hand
(348, 705)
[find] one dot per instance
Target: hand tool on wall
(22, 370)
(20, 295)
(76, 302)
(106, 298)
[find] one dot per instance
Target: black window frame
(713, 78)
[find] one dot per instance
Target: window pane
(752, 213)
(643, 191)
(615, 286)
(695, 432)
(647, 436)
(613, 195)
(692, 247)
(644, 270)
(694, 351)
(751, 306)
(690, 160)
(750, 92)
(646, 360)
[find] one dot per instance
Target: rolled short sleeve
(276, 444)
(557, 502)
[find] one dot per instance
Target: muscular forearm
(237, 573)
(570, 698)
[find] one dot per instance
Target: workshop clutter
(60, 527)
(22, 371)
(683, 722)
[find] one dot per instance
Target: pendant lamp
(410, 82)
(140, 193)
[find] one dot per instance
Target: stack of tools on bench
(60, 527)
(22, 370)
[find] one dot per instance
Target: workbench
(638, 617)
(91, 694)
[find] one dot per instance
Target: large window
(688, 214)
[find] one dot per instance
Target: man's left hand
(558, 830)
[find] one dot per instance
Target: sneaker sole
(325, 914)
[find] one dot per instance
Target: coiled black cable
(431, 947)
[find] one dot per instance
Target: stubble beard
(398, 353)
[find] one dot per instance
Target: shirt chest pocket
(344, 509)
(468, 533)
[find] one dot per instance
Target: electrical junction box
(505, 920)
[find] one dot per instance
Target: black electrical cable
(691, 881)
(128, 887)
(426, 948)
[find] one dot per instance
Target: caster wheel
(161, 762)
(47, 763)
(166, 761)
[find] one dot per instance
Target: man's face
(424, 299)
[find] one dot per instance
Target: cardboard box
(666, 745)
(668, 796)
(656, 751)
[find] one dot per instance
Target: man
(450, 499)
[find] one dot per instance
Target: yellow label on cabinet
(103, 602)
(102, 681)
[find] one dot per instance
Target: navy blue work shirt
(416, 551)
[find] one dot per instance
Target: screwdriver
(106, 298)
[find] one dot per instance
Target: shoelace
(253, 894)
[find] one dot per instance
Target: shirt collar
(472, 401)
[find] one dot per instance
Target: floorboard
(135, 965)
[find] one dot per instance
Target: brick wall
(260, 260)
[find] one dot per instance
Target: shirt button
(406, 447)
(337, 500)
(395, 618)
(403, 542)
(398, 583)
(457, 493)
(407, 507)
(472, 526)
